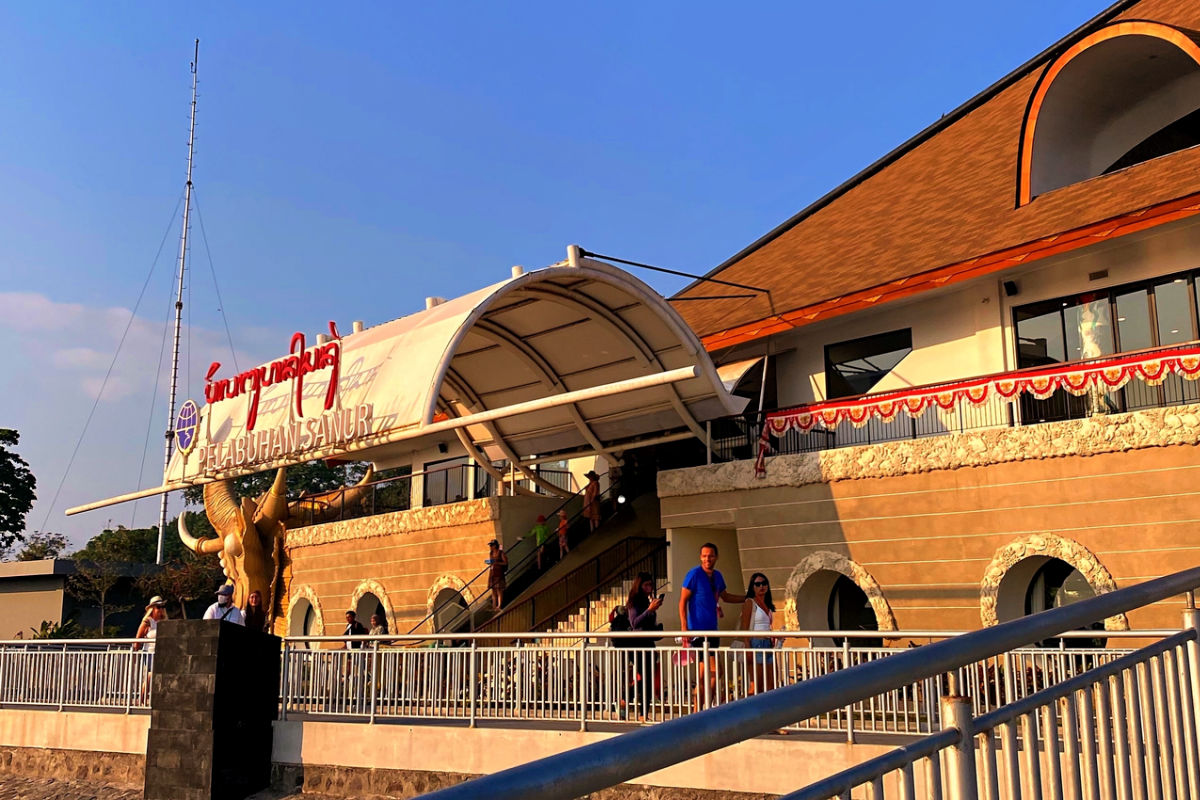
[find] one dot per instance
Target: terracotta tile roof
(947, 199)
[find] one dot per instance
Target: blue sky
(352, 161)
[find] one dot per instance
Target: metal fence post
(956, 713)
(706, 669)
(62, 679)
(474, 681)
(283, 684)
(131, 678)
(583, 684)
(1191, 621)
(374, 676)
(849, 708)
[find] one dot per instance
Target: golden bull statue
(251, 533)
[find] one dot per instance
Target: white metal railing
(1125, 729)
(75, 673)
(1145, 736)
(614, 677)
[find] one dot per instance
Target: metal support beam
(366, 443)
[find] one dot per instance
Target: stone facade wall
(401, 556)
(403, 783)
(936, 523)
(112, 769)
(1105, 433)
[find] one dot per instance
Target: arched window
(1125, 94)
(303, 617)
(448, 608)
(850, 610)
(367, 606)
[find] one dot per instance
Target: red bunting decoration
(1105, 375)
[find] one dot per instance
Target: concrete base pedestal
(215, 695)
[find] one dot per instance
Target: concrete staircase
(594, 615)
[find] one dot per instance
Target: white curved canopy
(556, 362)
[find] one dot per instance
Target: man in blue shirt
(703, 587)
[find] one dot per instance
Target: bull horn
(198, 546)
(222, 507)
(273, 505)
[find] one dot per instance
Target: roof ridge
(936, 127)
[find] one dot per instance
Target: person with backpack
(224, 609)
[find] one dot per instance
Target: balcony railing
(608, 677)
(448, 484)
(1156, 378)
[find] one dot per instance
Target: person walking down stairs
(591, 500)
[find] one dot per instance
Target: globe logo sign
(186, 425)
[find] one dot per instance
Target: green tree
(185, 576)
(313, 477)
(42, 545)
(17, 489)
(105, 560)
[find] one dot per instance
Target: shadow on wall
(793, 536)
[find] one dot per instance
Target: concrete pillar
(215, 695)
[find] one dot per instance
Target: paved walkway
(16, 788)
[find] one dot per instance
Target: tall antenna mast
(169, 446)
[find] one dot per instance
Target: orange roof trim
(1130, 222)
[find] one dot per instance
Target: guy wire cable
(108, 374)
(212, 271)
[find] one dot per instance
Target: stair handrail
(603, 764)
(631, 564)
(495, 621)
(604, 627)
(521, 565)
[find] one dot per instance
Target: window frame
(830, 393)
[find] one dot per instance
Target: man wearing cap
(224, 609)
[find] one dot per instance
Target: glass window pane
(1039, 336)
(855, 366)
(1133, 320)
(1174, 312)
(1089, 328)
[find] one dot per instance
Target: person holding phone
(642, 608)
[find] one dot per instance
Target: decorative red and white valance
(1104, 375)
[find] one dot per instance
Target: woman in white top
(758, 614)
(156, 611)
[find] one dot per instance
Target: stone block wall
(214, 700)
(930, 529)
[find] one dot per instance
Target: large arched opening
(1039, 572)
(304, 617)
(829, 592)
(445, 603)
(371, 599)
(1125, 94)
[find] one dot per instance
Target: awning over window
(731, 374)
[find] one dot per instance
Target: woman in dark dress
(642, 608)
(498, 560)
